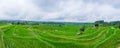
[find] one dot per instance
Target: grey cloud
(61, 10)
(114, 3)
(48, 5)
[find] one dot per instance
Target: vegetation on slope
(56, 36)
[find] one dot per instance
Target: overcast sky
(60, 10)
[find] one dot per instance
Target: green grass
(53, 36)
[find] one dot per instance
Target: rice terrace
(59, 23)
(59, 35)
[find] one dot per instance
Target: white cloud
(62, 10)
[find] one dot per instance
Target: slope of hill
(55, 36)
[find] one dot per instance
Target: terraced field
(55, 36)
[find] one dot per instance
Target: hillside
(55, 36)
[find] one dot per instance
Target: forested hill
(52, 22)
(37, 22)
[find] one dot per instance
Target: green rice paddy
(55, 36)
